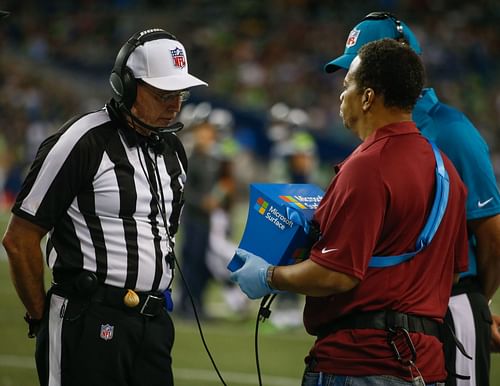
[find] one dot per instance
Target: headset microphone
(157, 137)
(173, 128)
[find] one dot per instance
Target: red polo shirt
(377, 205)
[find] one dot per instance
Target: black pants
(92, 344)
(470, 317)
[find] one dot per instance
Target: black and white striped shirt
(94, 186)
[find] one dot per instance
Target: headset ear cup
(129, 88)
(116, 87)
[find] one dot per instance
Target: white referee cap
(163, 64)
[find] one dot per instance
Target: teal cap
(375, 26)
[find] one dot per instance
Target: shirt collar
(390, 130)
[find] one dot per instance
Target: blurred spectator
(201, 199)
(221, 246)
(293, 160)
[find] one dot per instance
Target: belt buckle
(144, 310)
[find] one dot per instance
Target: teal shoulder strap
(435, 216)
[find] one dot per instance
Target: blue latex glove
(252, 276)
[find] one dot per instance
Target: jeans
(322, 379)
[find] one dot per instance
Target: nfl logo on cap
(107, 331)
(352, 38)
(178, 57)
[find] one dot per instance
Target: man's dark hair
(393, 70)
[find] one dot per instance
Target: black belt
(149, 304)
(383, 320)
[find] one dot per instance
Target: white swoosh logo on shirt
(483, 203)
(324, 250)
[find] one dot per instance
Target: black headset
(387, 15)
(122, 80)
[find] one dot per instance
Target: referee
(107, 190)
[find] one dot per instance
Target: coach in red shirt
(376, 326)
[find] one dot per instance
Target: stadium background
(56, 57)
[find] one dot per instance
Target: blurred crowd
(274, 109)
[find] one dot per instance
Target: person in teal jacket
(468, 311)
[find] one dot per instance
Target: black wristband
(33, 325)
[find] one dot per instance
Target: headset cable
(262, 315)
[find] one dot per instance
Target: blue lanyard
(433, 221)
